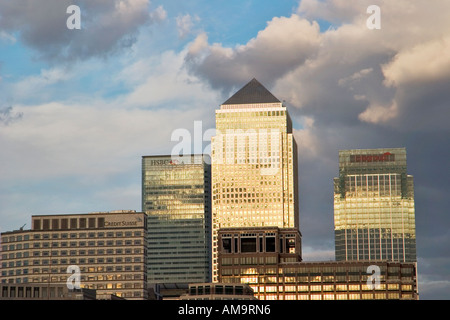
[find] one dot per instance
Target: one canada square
(374, 211)
(254, 165)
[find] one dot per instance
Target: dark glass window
(226, 245)
(270, 244)
(248, 245)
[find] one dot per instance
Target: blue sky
(227, 22)
(79, 108)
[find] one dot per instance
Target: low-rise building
(266, 260)
(103, 251)
(218, 291)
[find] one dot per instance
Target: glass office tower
(374, 212)
(254, 164)
(176, 198)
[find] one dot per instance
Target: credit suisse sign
(121, 221)
(385, 157)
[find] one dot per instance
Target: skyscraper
(374, 214)
(176, 198)
(254, 164)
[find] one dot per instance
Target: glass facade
(374, 212)
(176, 198)
(254, 166)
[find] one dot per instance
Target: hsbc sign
(163, 162)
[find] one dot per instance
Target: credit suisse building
(105, 249)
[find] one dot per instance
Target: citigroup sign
(387, 156)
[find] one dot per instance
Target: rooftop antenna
(21, 228)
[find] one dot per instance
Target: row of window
(331, 288)
(101, 243)
(79, 235)
(337, 296)
(25, 271)
(19, 255)
(20, 263)
(251, 114)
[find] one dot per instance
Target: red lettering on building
(387, 156)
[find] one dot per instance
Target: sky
(80, 107)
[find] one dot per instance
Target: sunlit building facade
(176, 198)
(254, 164)
(265, 260)
(102, 251)
(374, 215)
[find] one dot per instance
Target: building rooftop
(252, 92)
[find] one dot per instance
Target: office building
(103, 251)
(254, 164)
(374, 216)
(266, 260)
(176, 198)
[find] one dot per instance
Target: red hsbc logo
(387, 156)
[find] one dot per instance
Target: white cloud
(354, 77)
(379, 114)
(34, 85)
(93, 136)
(336, 11)
(283, 43)
(106, 26)
(84, 140)
(185, 24)
(425, 62)
(164, 80)
(307, 142)
(159, 14)
(7, 37)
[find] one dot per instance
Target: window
(55, 224)
(37, 224)
(248, 245)
(270, 244)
